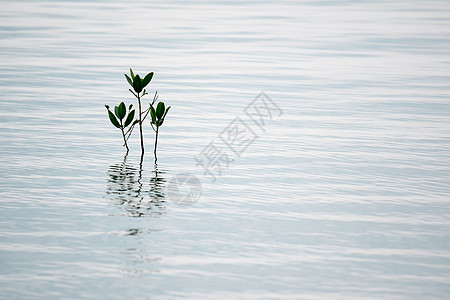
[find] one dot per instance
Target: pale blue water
(345, 196)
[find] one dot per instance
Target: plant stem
(156, 143)
(124, 138)
(140, 124)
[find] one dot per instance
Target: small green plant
(120, 112)
(118, 120)
(139, 85)
(158, 115)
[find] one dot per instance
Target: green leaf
(160, 109)
(167, 110)
(130, 107)
(129, 79)
(164, 117)
(121, 111)
(147, 79)
(129, 118)
(116, 111)
(153, 114)
(137, 83)
(107, 106)
(113, 119)
(132, 74)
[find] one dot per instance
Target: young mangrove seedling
(158, 115)
(138, 85)
(117, 119)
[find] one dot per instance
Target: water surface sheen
(346, 195)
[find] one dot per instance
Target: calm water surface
(346, 195)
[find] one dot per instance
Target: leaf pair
(159, 114)
(136, 82)
(120, 112)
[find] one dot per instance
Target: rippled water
(344, 193)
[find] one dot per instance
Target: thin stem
(131, 91)
(156, 143)
(124, 138)
(130, 130)
(145, 112)
(155, 97)
(140, 168)
(140, 124)
(125, 141)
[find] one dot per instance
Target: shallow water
(343, 193)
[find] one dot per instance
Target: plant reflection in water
(127, 188)
(136, 196)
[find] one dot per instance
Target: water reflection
(138, 197)
(139, 262)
